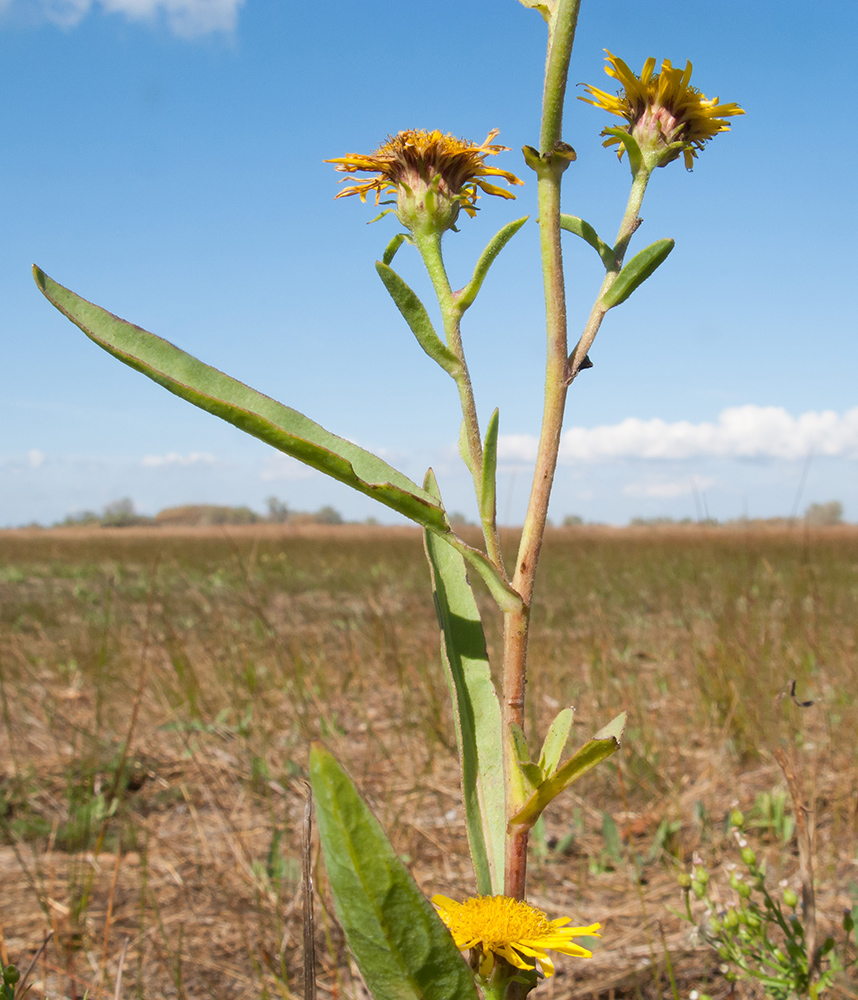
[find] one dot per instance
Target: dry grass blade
(21, 988)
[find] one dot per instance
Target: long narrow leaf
(555, 741)
(475, 709)
(467, 295)
(286, 429)
(488, 487)
(399, 942)
(415, 315)
(280, 426)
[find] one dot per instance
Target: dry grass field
(159, 689)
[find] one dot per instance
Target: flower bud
(748, 856)
(737, 819)
(790, 898)
(684, 880)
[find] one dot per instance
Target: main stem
(517, 623)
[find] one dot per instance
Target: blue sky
(164, 158)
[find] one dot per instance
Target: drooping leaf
(603, 744)
(488, 490)
(399, 942)
(572, 224)
(475, 709)
(635, 273)
(630, 144)
(555, 741)
(280, 426)
(415, 315)
(467, 295)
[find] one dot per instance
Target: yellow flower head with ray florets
(666, 116)
(502, 927)
(432, 175)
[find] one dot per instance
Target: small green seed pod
(790, 898)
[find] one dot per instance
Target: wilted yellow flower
(665, 114)
(432, 175)
(499, 926)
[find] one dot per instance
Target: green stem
(628, 227)
(517, 623)
(561, 37)
(429, 246)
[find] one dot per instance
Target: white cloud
(667, 490)
(185, 18)
(35, 458)
(740, 432)
(174, 459)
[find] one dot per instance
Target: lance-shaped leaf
(572, 224)
(635, 273)
(488, 487)
(415, 315)
(475, 709)
(555, 741)
(401, 946)
(467, 295)
(286, 429)
(603, 744)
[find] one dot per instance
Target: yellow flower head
(499, 926)
(666, 116)
(432, 175)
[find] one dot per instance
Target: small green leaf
(572, 224)
(392, 247)
(635, 273)
(401, 946)
(555, 741)
(631, 146)
(488, 488)
(466, 296)
(415, 315)
(285, 429)
(475, 709)
(603, 744)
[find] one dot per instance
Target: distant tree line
(122, 514)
